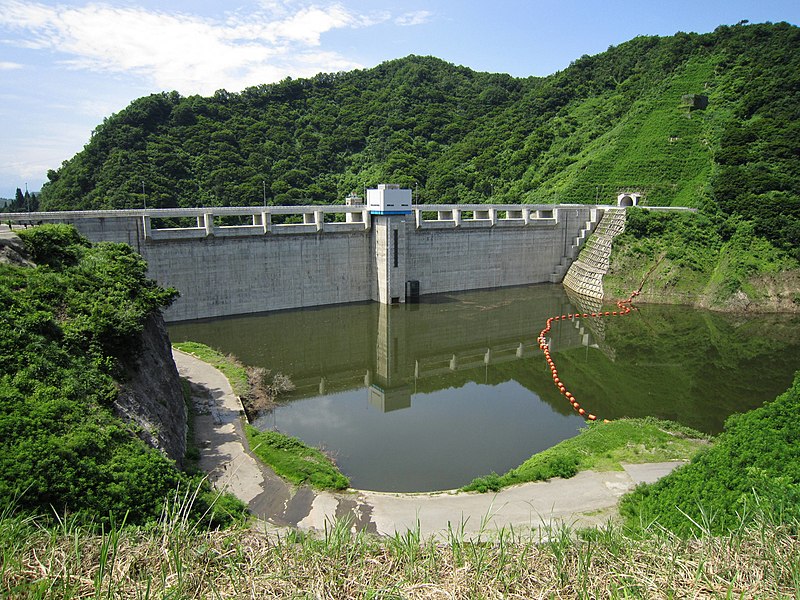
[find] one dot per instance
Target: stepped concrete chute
(585, 275)
(238, 260)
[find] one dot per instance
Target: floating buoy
(624, 306)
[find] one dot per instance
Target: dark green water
(429, 396)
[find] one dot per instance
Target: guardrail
(231, 221)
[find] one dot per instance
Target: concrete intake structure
(237, 260)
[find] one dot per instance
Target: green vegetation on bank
(292, 459)
(611, 122)
(703, 259)
(754, 465)
(69, 329)
(257, 388)
(602, 447)
(287, 456)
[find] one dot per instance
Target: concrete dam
(238, 260)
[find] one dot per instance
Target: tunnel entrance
(628, 199)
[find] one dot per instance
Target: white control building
(389, 199)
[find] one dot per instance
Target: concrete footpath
(589, 498)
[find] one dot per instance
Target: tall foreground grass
(174, 560)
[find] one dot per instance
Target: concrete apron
(588, 499)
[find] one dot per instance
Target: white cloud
(186, 52)
(9, 66)
(30, 158)
(419, 17)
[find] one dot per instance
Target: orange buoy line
(624, 309)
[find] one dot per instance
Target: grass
(292, 459)
(230, 367)
(602, 447)
(754, 464)
(169, 560)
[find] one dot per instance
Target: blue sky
(65, 66)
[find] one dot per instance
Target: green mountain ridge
(607, 123)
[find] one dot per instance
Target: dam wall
(494, 245)
(219, 276)
(238, 260)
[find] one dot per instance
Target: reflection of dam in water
(392, 349)
(444, 342)
(416, 397)
(413, 347)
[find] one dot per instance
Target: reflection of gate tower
(389, 389)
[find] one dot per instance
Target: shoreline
(589, 498)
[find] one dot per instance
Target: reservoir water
(427, 396)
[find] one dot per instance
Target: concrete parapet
(482, 215)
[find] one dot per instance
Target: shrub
(53, 245)
(67, 327)
(754, 463)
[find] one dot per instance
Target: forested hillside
(615, 121)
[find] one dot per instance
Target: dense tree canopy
(611, 122)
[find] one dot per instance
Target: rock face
(12, 250)
(772, 293)
(152, 397)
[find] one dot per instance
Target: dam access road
(590, 498)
